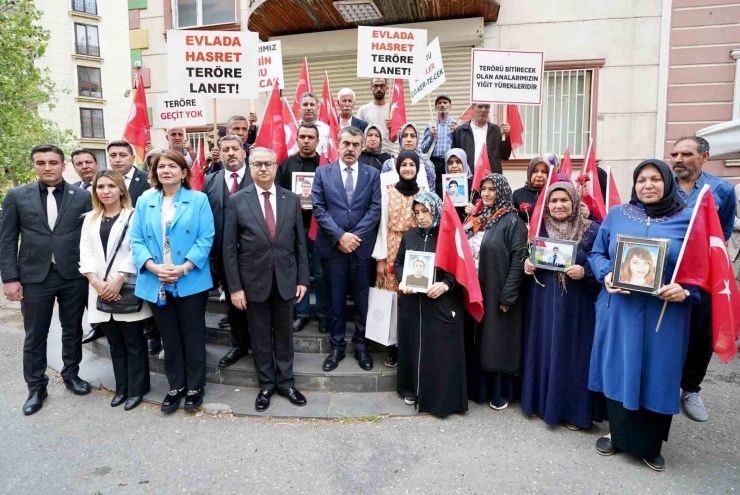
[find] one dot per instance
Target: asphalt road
(81, 445)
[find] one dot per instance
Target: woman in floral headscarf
(536, 178)
(498, 241)
(408, 140)
(431, 342)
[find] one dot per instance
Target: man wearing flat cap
(438, 136)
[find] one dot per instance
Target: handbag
(382, 325)
(128, 303)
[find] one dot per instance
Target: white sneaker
(410, 401)
(161, 354)
(499, 408)
(693, 406)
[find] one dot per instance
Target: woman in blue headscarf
(431, 341)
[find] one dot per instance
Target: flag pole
(608, 186)
(503, 136)
(215, 121)
(390, 103)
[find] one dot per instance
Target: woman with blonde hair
(638, 268)
(106, 261)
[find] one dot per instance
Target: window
(88, 81)
(91, 123)
(194, 13)
(86, 6)
(102, 157)
(86, 40)
(564, 119)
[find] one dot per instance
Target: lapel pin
(71, 192)
(136, 179)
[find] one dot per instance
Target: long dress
(398, 218)
(635, 370)
(558, 336)
(494, 346)
(431, 343)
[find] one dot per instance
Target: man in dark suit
(218, 187)
(346, 104)
(47, 217)
(346, 206)
(472, 135)
(86, 166)
(265, 246)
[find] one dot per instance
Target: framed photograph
(418, 271)
(639, 263)
(553, 254)
(302, 185)
(456, 185)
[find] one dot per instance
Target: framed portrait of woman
(639, 263)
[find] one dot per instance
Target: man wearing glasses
(376, 112)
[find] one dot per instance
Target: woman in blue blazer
(171, 237)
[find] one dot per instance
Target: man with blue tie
(346, 206)
(86, 166)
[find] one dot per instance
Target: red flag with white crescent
(398, 108)
(303, 86)
(138, 127)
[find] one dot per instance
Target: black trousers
(150, 329)
(237, 318)
(439, 169)
(37, 308)
(272, 339)
(182, 322)
(700, 349)
(128, 352)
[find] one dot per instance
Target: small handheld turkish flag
(482, 168)
(398, 108)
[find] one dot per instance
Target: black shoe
(224, 322)
(299, 324)
(132, 402)
(77, 385)
(391, 360)
(153, 346)
(364, 359)
(194, 400)
(263, 400)
(332, 360)
(604, 446)
(35, 401)
(172, 400)
(294, 396)
(95, 334)
(323, 325)
(231, 357)
(656, 464)
(117, 400)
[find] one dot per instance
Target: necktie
(269, 215)
(234, 183)
(51, 211)
(86, 186)
(349, 185)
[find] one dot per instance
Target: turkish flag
(454, 256)
(398, 108)
(271, 133)
(709, 267)
(612, 193)
(566, 167)
(198, 170)
(137, 131)
(591, 193)
(303, 86)
(482, 168)
(538, 213)
(517, 128)
(328, 115)
(467, 115)
(289, 123)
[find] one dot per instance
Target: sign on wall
(216, 64)
(394, 53)
(270, 65)
(434, 73)
(171, 111)
(499, 76)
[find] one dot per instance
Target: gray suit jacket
(215, 188)
(251, 257)
(24, 216)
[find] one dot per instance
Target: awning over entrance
(282, 17)
(724, 140)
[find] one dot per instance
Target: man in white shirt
(176, 139)
(309, 114)
(376, 112)
(472, 135)
(346, 103)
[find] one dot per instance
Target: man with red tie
(265, 249)
(218, 187)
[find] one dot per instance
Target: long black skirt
(639, 433)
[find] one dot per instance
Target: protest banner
(499, 76)
(434, 74)
(171, 111)
(217, 64)
(270, 65)
(395, 53)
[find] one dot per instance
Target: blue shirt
(444, 138)
(724, 198)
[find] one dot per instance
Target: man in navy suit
(346, 104)
(346, 206)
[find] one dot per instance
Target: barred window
(195, 13)
(85, 6)
(88, 82)
(91, 123)
(86, 40)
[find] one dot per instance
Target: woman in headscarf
(636, 371)
(559, 320)
(396, 217)
(431, 342)
(456, 162)
(498, 241)
(408, 140)
(372, 153)
(537, 171)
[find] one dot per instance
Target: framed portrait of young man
(456, 185)
(418, 271)
(639, 263)
(553, 254)
(302, 185)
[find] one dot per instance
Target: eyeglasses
(259, 165)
